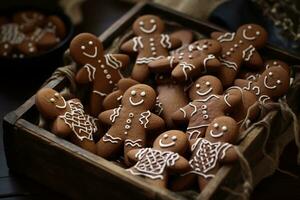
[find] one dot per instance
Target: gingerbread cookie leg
(140, 72)
(111, 142)
(135, 142)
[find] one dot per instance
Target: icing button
(151, 39)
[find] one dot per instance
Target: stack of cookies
(181, 126)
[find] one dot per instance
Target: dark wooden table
(17, 86)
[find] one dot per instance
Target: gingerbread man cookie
(272, 84)
(239, 48)
(69, 119)
(150, 43)
(171, 97)
(101, 71)
(215, 149)
(129, 122)
(206, 105)
(155, 164)
(113, 99)
(254, 75)
(29, 20)
(191, 61)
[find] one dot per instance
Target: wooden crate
(78, 174)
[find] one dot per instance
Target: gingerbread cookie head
(148, 24)
(274, 82)
(86, 48)
(208, 46)
(253, 33)
(277, 63)
(139, 96)
(222, 129)
(50, 103)
(173, 140)
(205, 86)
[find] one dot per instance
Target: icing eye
(152, 21)
(197, 85)
(224, 128)
(133, 92)
(52, 100)
(82, 47)
(56, 94)
(257, 33)
(204, 46)
(207, 83)
(278, 82)
(174, 138)
(141, 23)
(241, 41)
(249, 27)
(275, 63)
(216, 125)
(90, 42)
(143, 93)
(165, 136)
(270, 74)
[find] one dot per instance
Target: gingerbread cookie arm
(216, 35)
(122, 60)
(184, 70)
(255, 61)
(128, 46)
(132, 155)
(183, 114)
(163, 65)
(82, 76)
(112, 100)
(181, 166)
(60, 128)
(229, 155)
(175, 42)
(153, 122)
(231, 100)
(241, 83)
(105, 116)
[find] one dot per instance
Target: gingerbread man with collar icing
(272, 84)
(155, 164)
(207, 104)
(191, 61)
(240, 48)
(129, 122)
(69, 118)
(150, 43)
(102, 71)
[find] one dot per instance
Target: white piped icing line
(144, 118)
(204, 93)
(248, 52)
(159, 107)
(165, 41)
(147, 60)
(229, 64)
(136, 103)
(248, 37)
(102, 94)
(112, 62)
(148, 31)
(268, 86)
(133, 143)
(166, 145)
(183, 111)
(216, 135)
(186, 66)
(109, 138)
(152, 163)
(208, 58)
(93, 55)
(91, 71)
(194, 107)
(115, 114)
(263, 98)
(227, 37)
(137, 43)
(81, 124)
(226, 101)
(208, 98)
(64, 104)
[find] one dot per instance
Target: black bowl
(45, 61)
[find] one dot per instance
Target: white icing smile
(216, 135)
(247, 37)
(92, 55)
(150, 30)
(268, 86)
(166, 145)
(62, 106)
(204, 93)
(135, 103)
